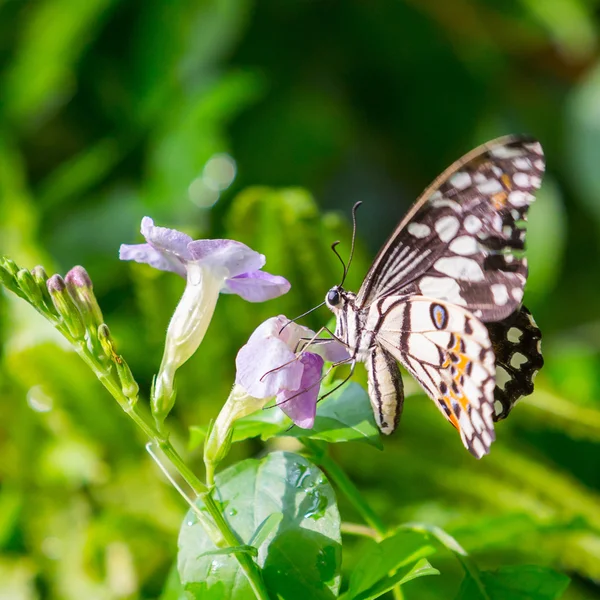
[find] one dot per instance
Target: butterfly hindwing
(385, 389)
(517, 345)
(449, 352)
(462, 239)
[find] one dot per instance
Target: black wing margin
(517, 345)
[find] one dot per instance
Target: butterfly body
(452, 266)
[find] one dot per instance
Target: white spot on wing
(491, 186)
(517, 360)
(460, 267)
(505, 152)
(522, 163)
(500, 294)
(446, 228)
(441, 201)
(518, 198)
(517, 294)
(419, 230)
(502, 377)
(513, 335)
(443, 288)
(464, 245)
(521, 179)
(473, 224)
(460, 180)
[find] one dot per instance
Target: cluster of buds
(70, 304)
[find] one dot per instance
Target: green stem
(245, 560)
(145, 423)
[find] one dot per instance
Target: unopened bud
(66, 307)
(40, 277)
(9, 266)
(7, 278)
(81, 289)
(129, 385)
(30, 288)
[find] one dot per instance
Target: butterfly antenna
(334, 248)
(302, 315)
(354, 209)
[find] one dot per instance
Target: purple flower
(238, 266)
(267, 366)
(211, 267)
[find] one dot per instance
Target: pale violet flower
(236, 266)
(268, 366)
(210, 267)
(273, 365)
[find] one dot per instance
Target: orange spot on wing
(499, 200)
(506, 181)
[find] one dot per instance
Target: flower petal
(266, 366)
(302, 408)
(166, 240)
(234, 257)
(145, 253)
(257, 286)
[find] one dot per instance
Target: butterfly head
(338, 298)
(334, 298)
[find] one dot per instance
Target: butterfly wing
(448, 351)
(517, 346)
(385, 389)
(461, 240)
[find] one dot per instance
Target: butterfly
(443, 296)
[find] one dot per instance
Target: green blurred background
(283, 113)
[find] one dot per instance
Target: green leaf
(421, 568)
(344, 416)
(300, 555)
(514, 583)
(382, 560)
(264, 424)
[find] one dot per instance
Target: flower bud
(81, 289)
(8, 271)
(66, 307)
(40, 277)
(9, 266)
(30, 288)
(129, 385)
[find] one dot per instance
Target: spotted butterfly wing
(462, 239)
(443, 296)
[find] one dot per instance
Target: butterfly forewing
(461, 242)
